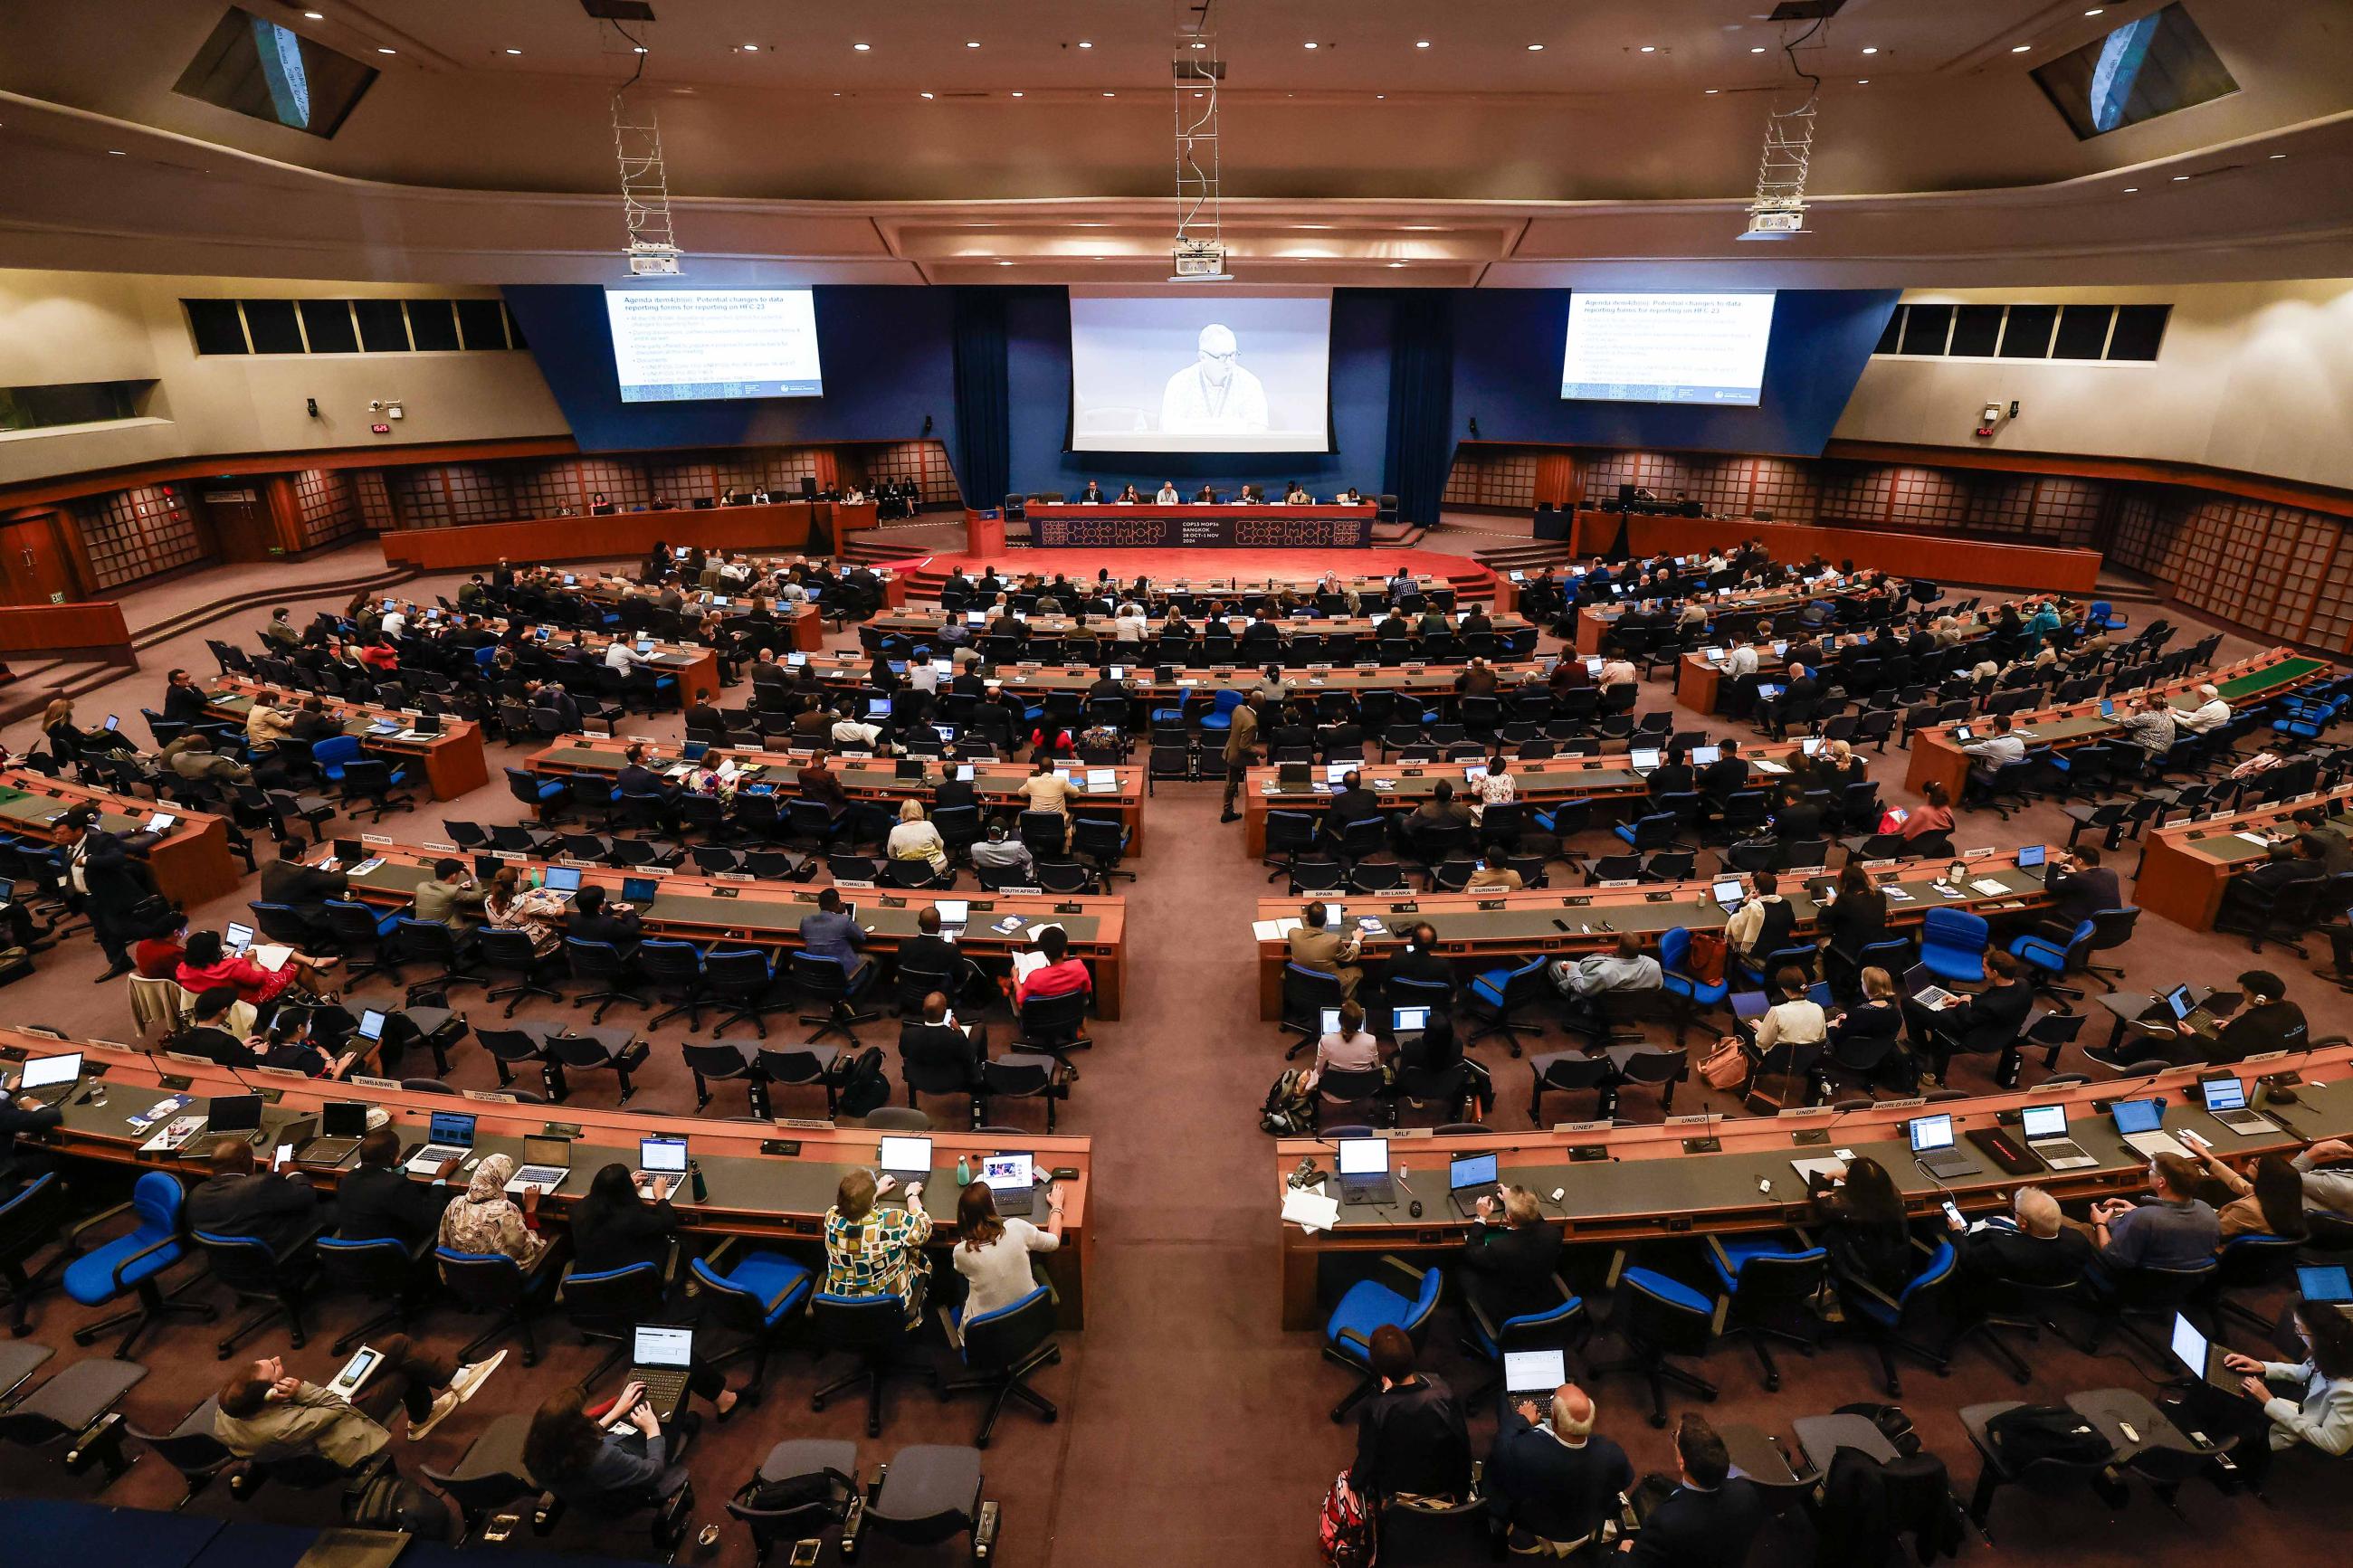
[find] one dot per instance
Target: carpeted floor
(1193, 1429)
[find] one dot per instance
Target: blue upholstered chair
(133, 1264)
(1003, 1348)
(1399, 1294)
(759, 1297)
(1499, 996)
(1771, 1282)
(1918, 1319)
(1657, 1315)
(1952, 945)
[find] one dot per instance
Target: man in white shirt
(923, 675)
(622, 654)
(998, 853)
(1129, 625)
(395, 622)
(1619, 672)
(1625, 968)
(857, 735)
(1997, 750)
(2211, 713)
(1168, 495)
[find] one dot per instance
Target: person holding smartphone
(267, 1413)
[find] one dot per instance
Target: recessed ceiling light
(861, 49)
(1757, 48)
(641, 49)
(1005, 264)
(750, 48)
(381, 50)
(927, 94)
(1308, 45)
(1533, 48)
(1714, 91)
(2277, 156)
(2020, 48)
(1111, 95)
(1871, 48)
(1422, 42)
(1650, 48)
(115, 152)
(2130, 189)
(1396, 264)
(2095, 10)
(316, 15)
(1084, 45)
(1378, 96)
(2178, 178)
(1864, 81)
(514, 51)
(1017, 94)
(972, 43)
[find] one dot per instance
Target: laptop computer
(1934, 1149)
(449, 1135)
(905, 1161)
(2226, 1103)
(1704, 756)
(1409, 1020)
(639, 890)
(955, 914)
(1533, 1374)
(564, 879)
(1728, 892)
(1364, 1172)
(61, 1072)
(546, 1162)
(664, 1157)
(661, 1356)
(2045, 1130)
(2202, 1358)
(2141, 1124)
(1920, 983)
(342, 1124)
(2325, 1282)
(2179, 1003)
(1011, 1182)
(2033, 857)
(227, 1114)
(1469, 1179)
(371, 1028)
(1643, 760)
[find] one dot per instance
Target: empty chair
(133, 1264)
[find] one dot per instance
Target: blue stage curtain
(1421, 402)
(984, 396)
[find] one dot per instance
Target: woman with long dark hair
(2268, 1202)
(609, 1466)
(1863, 1225)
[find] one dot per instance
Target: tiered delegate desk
(757, 1189)
(1700, 683)
(805, 620)
(1623, 1185)
(1103, 525)
(1495, 927)
(622, 535)
(1937, 758)
(1594, 621)
(599, 757)
(1539, 785)
(452, 761)
(192, 862)
(695, 666)
(740, 910)
(1201, 590)
(1362, 627)
(2186, 868)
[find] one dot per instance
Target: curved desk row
(1937, 758)
(847, 671)
(192, 862)
(2187, 868)
(766, 1182)
(1624, 1185)
(741, 911)
(452, 761)
(621, 535)
(1511, 928)
(1595, 621)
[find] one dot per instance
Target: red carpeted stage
(1470, 580)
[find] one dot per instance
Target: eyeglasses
(1228, 356)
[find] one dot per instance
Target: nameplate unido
(489, 1097)
(366, 1082)
(1701, 1120)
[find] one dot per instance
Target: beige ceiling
(1476, 160)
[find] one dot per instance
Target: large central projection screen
(1200, 372)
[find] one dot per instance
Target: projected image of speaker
(1200, 372)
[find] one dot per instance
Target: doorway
(240, 523)
(33, 566)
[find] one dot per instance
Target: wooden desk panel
(1569, 922)
(192, 863)
(752, 1195)
(452, 762)
(695, 666)
(1937, 758)
(1595, 621)
(848, 672)
(778, 525)
(1074, 525)
(95, 629)
(1644, 1183)
(2186, 868)
(1939, 557)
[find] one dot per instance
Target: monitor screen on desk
(1410, 1020)
(2138, 1115)
(639, 890)
(2043, 1121)
(47, 1072)
(1471, 1171)
(2030, 857)
(451, 1129)
(662, 1156)
(1363, 1156)
(1930, 1133)
(905, 1154)
(2223, 1093)
(1703, 756)
(1006, 1172)
(562, 878)
(1642, 759)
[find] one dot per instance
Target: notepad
(1767, 765)
(2257, 840)
(272, 957)
(1989, 887)
(1310, 1209)
(1274, 931)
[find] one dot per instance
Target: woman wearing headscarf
(486, 1220)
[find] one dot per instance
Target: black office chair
(874, 1329)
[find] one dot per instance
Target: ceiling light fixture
(2178, 178)
(1422, 42)
(1650, 48)
(750, 48)
(1714, 91)
(116, 152)
(2130, 189)
(2277, 156)
(1308, 45)
(1757, 49)
(1378, 96)
(1084, 45)
(2020, 48)
(1017, 94)
(2095, 10)
(1535, 48)
(316, 15)
(927, 94)
(861, 49)
(1005, 264)
(1396, 264)
(972, 43)
(1871, 48)
(1111, 95)
(641, 48)
(381, 50)
(514, 51)
(1863, 82)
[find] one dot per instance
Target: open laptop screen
(1363, 1156)
(1471, 1171)
(658, 1346)
(2043, 1121)
(2138, 1115)
(2223, 1093)
(1930, 1133)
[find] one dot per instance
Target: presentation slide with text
(1667, 347)
(672, 345)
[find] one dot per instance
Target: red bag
(1343, 1532)
(1726, 1066)
(1703, 961)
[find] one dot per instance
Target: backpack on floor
(1290, 1107)
(1343, 1534)
(864, 1089)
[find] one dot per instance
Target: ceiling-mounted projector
(1200, 261)
(1780, 222)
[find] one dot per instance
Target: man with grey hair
(1214, 395)
(1554, 1479)
(2211, 711)
(2035, 1249)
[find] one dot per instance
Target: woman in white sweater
(993, 1254)
(2309, 1401)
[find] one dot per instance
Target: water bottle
(695, 1183)
(964, 1171)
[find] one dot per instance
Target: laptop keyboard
(665, 1387)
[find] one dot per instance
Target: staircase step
(221, 610)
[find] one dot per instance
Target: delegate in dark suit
(2077, 895)
(1702, 1528)
(306, 888)
(1985, 1023)
(1508, 1269)
(273, 1209)
(1550, 1490)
